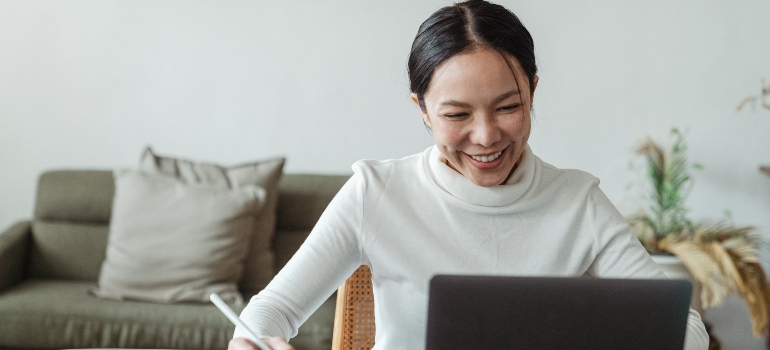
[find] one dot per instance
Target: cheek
(518, 127)
(447, 135)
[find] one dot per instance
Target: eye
(510, 108)
(455, 115)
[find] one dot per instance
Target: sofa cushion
(50, 314)
(304, 197)
(75, 195)
(258, 268)
(170, 241)
(60, 314)
(71, 250)
(285, 244)
(69, 229)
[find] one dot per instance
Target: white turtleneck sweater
(412, 218)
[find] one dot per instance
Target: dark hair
(464, 27)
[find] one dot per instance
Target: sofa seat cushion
(49, 314)
(57, 314)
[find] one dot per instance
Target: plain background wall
(88, 84)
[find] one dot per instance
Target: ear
(425, 118)
(534, 87)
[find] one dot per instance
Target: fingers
(278, 344)
(245, 344)
(241, 344)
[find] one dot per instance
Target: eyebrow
(498, 99)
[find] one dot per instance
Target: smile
(487, 159)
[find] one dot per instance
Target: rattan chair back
(354, 316)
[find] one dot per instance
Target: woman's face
(479, 116)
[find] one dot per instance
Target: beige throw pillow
(258, 268)
(171, 242)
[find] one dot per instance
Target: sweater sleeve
(328, 257)
(621, 255)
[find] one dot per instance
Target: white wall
(89, 83)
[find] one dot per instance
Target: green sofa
(47, 264)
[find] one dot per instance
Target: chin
(487, 181)
(489, 178)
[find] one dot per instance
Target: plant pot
(675, 269)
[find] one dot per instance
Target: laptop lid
(538, 313)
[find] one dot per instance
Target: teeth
(486, 159)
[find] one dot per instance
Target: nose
(485, 131)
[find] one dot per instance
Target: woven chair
(354, 316)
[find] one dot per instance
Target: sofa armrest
(14, 244)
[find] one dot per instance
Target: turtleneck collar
(460, 187)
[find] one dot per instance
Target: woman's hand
(245, 344)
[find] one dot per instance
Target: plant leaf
(702, 266)
(757, 297)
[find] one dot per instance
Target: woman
(478, 202)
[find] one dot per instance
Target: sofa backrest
(302, 198)
(70, 224)
(72, 212)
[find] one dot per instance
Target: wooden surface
(354, 327)
(339, 317)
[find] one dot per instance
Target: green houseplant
(723, 258)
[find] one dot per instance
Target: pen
(236, 320)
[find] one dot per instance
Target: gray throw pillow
(258, 268)
(172, 242)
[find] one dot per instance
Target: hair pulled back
(464, 27)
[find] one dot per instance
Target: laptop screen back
(534, 313)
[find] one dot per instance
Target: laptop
(539, 313)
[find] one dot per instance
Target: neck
(515, 165)
(461, 188)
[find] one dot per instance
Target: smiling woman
(478, 202)
(473, 75)
(479, 117)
